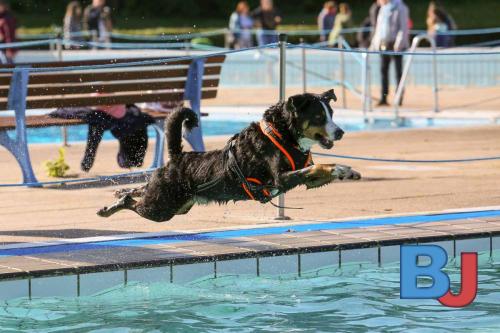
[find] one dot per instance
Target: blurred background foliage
(196, 15)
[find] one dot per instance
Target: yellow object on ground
(57, 167)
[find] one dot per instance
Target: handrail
(399, 91)
(365, 94)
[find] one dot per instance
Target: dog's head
(312, 119)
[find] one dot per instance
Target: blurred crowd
(96, 18)
(265, 18)
(262, 22)
(245, 23)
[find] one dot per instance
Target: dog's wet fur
(303, 120)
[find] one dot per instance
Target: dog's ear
(329, 95)
(297, 102)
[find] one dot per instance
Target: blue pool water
(356, 298)
(229, 126)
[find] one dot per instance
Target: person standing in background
(326, 20)
(240, 25)
(7, 33)
(267, 18)
(341, 21)
(373, 14)
(97, 17)
(391, 34)
(439, 23)
(364, 37)
(72, 26)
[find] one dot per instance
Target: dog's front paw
(344, 172)
(316, 182)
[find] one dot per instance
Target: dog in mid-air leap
(259, 163)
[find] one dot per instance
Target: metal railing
(282, 46)
(225, 31)
(399, 91)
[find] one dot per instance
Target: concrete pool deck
(455, 101)
(35, 215)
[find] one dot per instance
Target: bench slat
(84, 101)
(72, 77)
(108, 87)
(210, 60)
(9, 123)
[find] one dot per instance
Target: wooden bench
(86, 84)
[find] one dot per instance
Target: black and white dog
(259, 163)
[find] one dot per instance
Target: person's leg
(260, 38)
(398, 61)
(274, 37)
(3, 59)
(266, 38)
(385, 61)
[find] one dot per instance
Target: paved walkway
(417, 99)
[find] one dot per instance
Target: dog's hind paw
(104, 212)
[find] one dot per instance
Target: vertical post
(59, 50)
(406, 69)
(282, 47)
(304, 68)
(18, 147)
(78, 288)
(342, 70)
(59, 47)
(193, 93)
(94, 38)
(364, 83)
(369, 83)
(227, 35)
(435, 88)
(402, 82)
(30, 289)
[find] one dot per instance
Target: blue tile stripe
(170, 239)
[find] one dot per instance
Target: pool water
(225, 125)
(356, 298)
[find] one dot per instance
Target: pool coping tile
(217, 249)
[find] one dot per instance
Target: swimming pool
(229, 124)
(358, 297)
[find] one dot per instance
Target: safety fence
(455, 67)
(321, 66)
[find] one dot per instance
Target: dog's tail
(174, 129)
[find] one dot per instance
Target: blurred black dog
(259, 163)
(131, 131)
